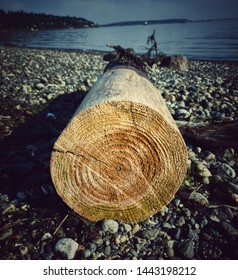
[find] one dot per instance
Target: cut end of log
(118, 160)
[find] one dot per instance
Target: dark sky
(106, 11)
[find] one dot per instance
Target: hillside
(21, 20)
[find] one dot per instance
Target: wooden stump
(121, 156)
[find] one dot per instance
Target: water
(199, 40)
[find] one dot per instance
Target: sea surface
(217, 40)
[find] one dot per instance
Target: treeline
(21, 20)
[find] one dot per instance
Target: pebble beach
(39, 92)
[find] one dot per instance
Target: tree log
(211, 134)
(121, 156)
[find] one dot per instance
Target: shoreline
(99, 52)
(40, 91)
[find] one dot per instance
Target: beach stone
(175, 233)
(110, 226)
(4, 234)
(107, 250)
(229, 229)
(180, 222)
(182, 114)
(233, 187)
(127, 227)
(186, 248)
(23, 250)
(224, 170)
(135, 229)
(203, 171)
(235, 197)
(66, 248)
(176, 62)
(40, 86)
(150, 234)
(199, 198)
(85, 253)
(170, 252)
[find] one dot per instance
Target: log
(121, 156)
(224, 134)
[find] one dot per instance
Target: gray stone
(110, 226)
(186, 248)
(170, 252)
(86, 253)
(107, 250)
(203, 171)
(233, 187)
(182, 114)
(229, 229)
(127, 227)
(135, 229)
(4, 234)
(224, 170)
(199, 198)
(23, 250)
(180, 222)
(176, 62)
(175, 233)
(66, 248)
(40, 86)
(150, 234)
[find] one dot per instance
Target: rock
(180, 222)
(225, 171)
(199, 198)
(123, 239)
(127, 227)
(6, 233)
(66, 248)
(170, 252)
(182, 114)
(107, 250)
(110, 226)
(229, 229)
(135, 229)
(235, 197)
(174, 233)
(210, 156)
(86, 253)
(150, 234)
(177, 62)
(203, 171)
(39, 86)
(233, 187)
(23, 250)
(186, 248)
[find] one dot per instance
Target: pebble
(23, 250)
(150, 234)
(66, 248)
(229, 229)
(224, 170)
(186, 248)
(110, 226)
(6, 233)
(199, 198)
(135, 229)
(107, 250)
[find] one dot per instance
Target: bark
(121, 156)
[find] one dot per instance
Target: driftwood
(122, 155)
(223, 134)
